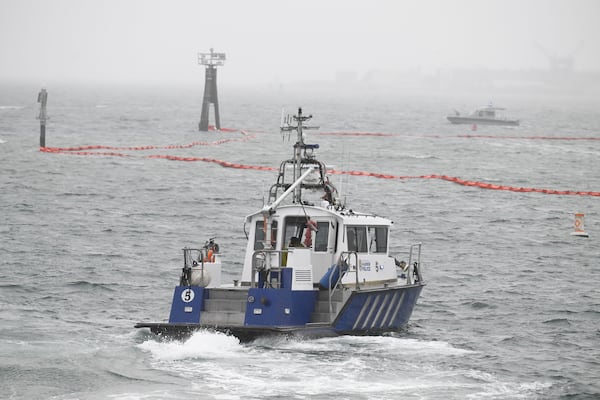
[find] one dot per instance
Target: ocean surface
(90, 244)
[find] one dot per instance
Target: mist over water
(352, 42)
(92, 244)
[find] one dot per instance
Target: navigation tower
(212, 60)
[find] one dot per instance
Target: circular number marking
(187, 295)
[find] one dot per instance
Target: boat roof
(490, 107)
(347, 216)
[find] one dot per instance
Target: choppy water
(92, 244)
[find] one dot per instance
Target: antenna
(212, 59)
(288, 126)
(285, 124)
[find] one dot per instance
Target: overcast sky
(279, 41)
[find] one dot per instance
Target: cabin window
(357, 238)
(378, 239)
(295, 227)
(322, 236)
(259, 235)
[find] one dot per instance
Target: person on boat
(295, 242)
(211, 248)
(329, 190)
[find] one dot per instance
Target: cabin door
(320, 239)
(323, 248)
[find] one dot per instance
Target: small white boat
(312, 267)
(488, 115)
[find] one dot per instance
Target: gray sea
(90, 244)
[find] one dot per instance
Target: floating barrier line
(528, 137)
(73, 151)
(227, 164)
(222, 163)
(358, 134)
(458, 136)
(246, 137)
(482, 185)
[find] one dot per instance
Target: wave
(479, 305)
(421, 157)
(68, 194)
(103, 255)
(558, 321)
(201, 345)
(12, 286)
(92, 285)
(206, 344)
(329, 367)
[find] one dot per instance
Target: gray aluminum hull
(483, 121)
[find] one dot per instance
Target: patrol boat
(312, 267)
(487, 115)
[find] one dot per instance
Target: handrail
(266, 268)
(414, 273)
(356, 264)
(190, 260)
(338, 265)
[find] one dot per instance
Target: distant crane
(561, 63)
(212, 60)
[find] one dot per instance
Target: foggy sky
(157, 41)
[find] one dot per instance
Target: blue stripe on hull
(385, 305)
(377, 310)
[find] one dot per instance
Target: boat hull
(366, 312)
(482, 121)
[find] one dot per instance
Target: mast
(296, 187)
(299, 147)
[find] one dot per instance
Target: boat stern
(187, 305)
